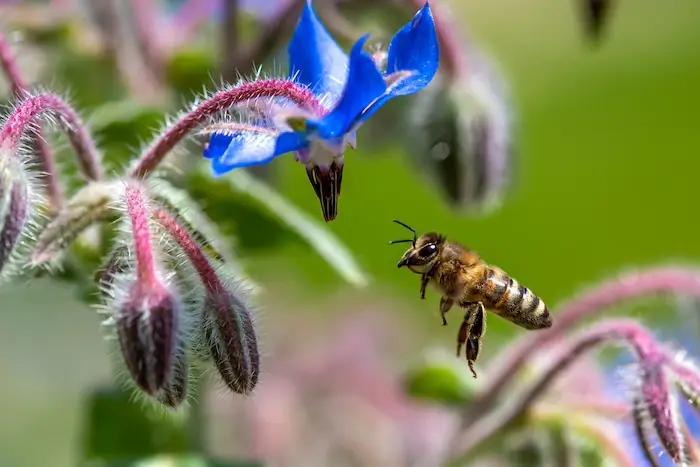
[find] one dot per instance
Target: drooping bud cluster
(173, 293)
(225, 328)
(161, 317)
(144, 305)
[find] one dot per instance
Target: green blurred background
(608, 166)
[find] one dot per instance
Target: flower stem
(220, 101)
(47, 162)
(138, 212)
(587, 305)
(207, 274)
(32, 107)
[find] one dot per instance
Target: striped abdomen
(510, 300)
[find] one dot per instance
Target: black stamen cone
(326, 183)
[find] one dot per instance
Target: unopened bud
(14, 209)
(661, 406)
(461, 139)
(146, 324)
(174, 391)
(230, 336)
(89, 205)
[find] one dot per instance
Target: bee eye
(428, 250)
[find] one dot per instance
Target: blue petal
(247, 149)
(218, 143)
(315, 59)
(291, 141)
(414, 48)
(364, 85)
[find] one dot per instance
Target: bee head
(424, 251)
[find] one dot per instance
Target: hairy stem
(587, 305)
(220, 101)
(27, 111)
(138, 212)
(639, 338)
(47, 162)
(207, 274)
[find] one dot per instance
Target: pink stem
(20, 89)
(587, 305)
(34, 106)
(220, 101)
(207, 274)
(138, 212)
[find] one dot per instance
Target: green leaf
(118, 427)
(440, 378)
(337, 255)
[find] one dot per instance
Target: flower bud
(89, 205)
(146, 324)
(14, 210)
(231, 338)
(661, 406)
(174, 391)
(461, 139)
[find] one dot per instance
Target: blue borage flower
(351, 90)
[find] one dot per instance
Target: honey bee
(461, 276)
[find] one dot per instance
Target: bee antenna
(415, 235)
(408, 240)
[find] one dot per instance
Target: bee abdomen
(514, 302)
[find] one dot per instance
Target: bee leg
(445, 305)
(424, 279)
(471, 332)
